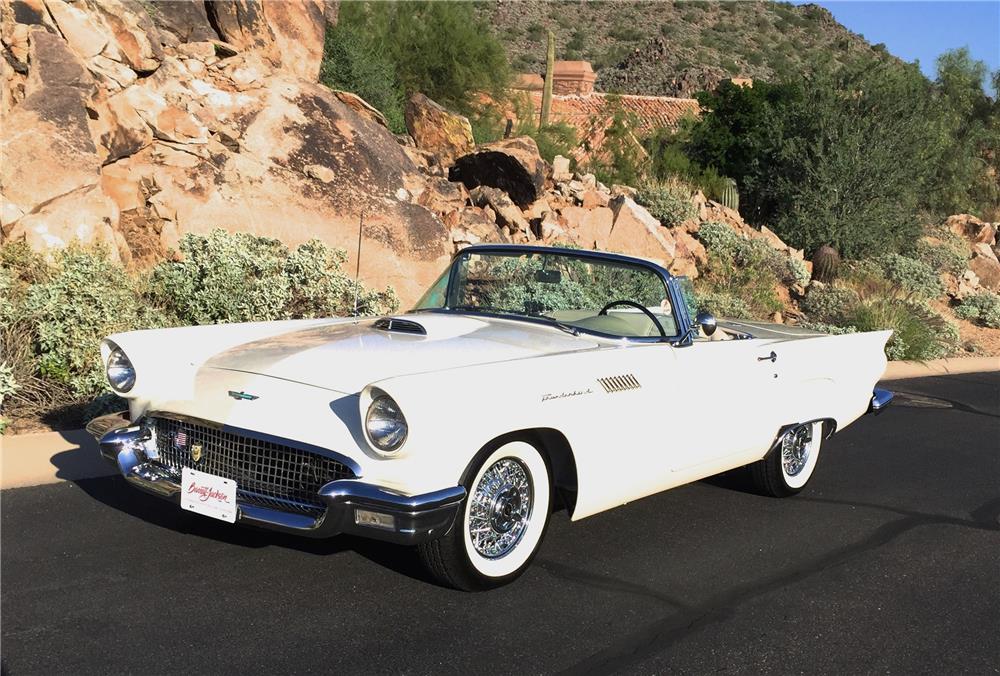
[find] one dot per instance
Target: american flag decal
(180, 440)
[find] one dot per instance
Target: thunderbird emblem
(196, 452)
(242, 396)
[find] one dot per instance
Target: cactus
(550, 61)
(826, 262)
(730, 196)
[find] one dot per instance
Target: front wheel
(790, 465)
(501, 525)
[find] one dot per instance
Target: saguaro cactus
(550, 65)
(730, 195)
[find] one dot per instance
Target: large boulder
(186, 20)
(986, 266)
(85, 216)
(972, 229)
(288, 34)
(506, 211)
(47, 145)
(446, 134)
(637, 232)
(512, 165)
(589, 228)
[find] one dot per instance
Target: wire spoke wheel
(501, 508)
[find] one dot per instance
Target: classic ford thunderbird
(525, 378)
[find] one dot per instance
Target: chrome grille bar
(267, 473)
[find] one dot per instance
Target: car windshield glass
(577, 292)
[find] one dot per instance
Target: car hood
(346, 356)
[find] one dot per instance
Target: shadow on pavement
(115, 493)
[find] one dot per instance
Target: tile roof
(653, 111)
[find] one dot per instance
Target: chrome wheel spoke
(500, 508)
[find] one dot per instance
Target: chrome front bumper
(880, 401)
(414, 518)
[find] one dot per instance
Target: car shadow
(114, 492)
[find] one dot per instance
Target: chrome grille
(266, 473)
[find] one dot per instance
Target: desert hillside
(676, 48)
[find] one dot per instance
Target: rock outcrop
(129, 131)
(442, 133)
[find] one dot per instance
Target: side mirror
(706, 321)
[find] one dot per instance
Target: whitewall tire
(789, 466)
(501, 524)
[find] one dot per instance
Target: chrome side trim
(880, 401)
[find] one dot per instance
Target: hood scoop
(396, 325)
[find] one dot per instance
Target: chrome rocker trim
(880, 401)
(415, 518)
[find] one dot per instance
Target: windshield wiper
(572, 330)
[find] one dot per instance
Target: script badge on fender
(195, 452)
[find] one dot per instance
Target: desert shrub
(724, 304)
(86, 298)
(912, 275)
(8, 386)
(982, 307)
(919, 333)
(352, 64)
(829, 304)
(668, 202)
(558, 138)
(321, 288)
(726, 242)
(944, 256)
(224, 277)
(742, 287)
(238, 277)
(832, 329)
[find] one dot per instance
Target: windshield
(577, 292)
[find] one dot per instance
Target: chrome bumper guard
(880, 401)
(352, 506)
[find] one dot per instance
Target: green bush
(724, 304)
(8, 386)
(352, 64)
(919, 333)
(829, 304)
(670, 203)
(945, 256)
(443, 49)
(724, 241)
(237, 277)
(914, 276)
(86, 297)
(832, 329)
(982, 307)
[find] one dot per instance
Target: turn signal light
(364, 517)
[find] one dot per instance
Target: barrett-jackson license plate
(208, 494)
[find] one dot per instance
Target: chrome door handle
(771, 357)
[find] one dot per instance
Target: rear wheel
(501, 525)
(788, 468)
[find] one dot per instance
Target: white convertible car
(525, 377)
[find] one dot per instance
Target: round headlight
(121, 373)
(385, 424)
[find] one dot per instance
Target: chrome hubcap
(795, 447)
(500, 508)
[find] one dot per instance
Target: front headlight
(121, 373)
(385, 424)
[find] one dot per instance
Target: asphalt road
(888, 562)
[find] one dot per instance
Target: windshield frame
(679, 307)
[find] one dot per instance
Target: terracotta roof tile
(653, 112)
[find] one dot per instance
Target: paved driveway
(890, 561)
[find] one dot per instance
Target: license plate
(208, 494)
